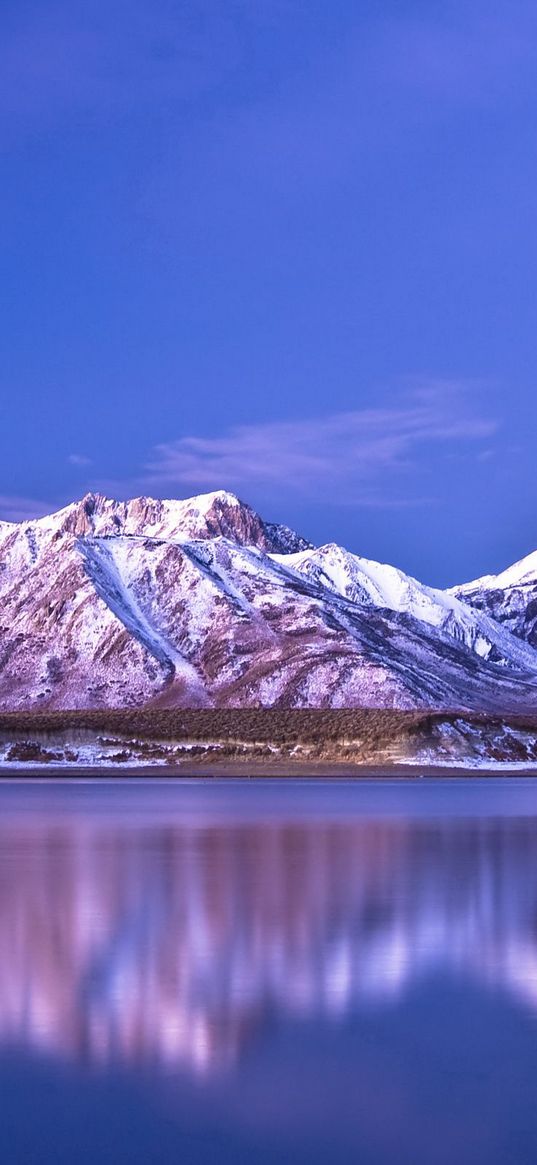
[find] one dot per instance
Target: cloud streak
(14, 508)
(364, 457)
(385, 457)
(79, 460)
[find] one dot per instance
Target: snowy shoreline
(269, 740)
(191, 760)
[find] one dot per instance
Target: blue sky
(285, 247)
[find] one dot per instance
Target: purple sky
(284, 247)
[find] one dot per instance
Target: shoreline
(237, 771)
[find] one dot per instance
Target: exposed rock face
(200, 602)
(213, 515)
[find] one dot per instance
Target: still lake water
(268, 972)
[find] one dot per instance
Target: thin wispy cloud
(21, 509)
(364, 457)
(79, 460)
(368, 457)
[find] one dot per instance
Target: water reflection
(174, 944)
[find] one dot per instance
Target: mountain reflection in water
(173, 944)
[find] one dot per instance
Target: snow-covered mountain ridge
(202, 602)
(378, 585)
(510, 597)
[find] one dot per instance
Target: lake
(269, 972)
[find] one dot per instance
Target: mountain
(510, 598)
(207, 516)
(201, 602)
(378, 585)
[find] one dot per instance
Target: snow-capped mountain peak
(510, 597)
(523, 571)
(209, 515)
(200, 601)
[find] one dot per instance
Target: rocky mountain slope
(200, 603)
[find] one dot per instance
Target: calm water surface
(268, 972)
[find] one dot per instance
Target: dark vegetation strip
(283, 726)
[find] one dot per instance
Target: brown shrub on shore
(364, 729)
(27, 752)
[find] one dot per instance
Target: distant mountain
(510, 598)
(202, 602)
